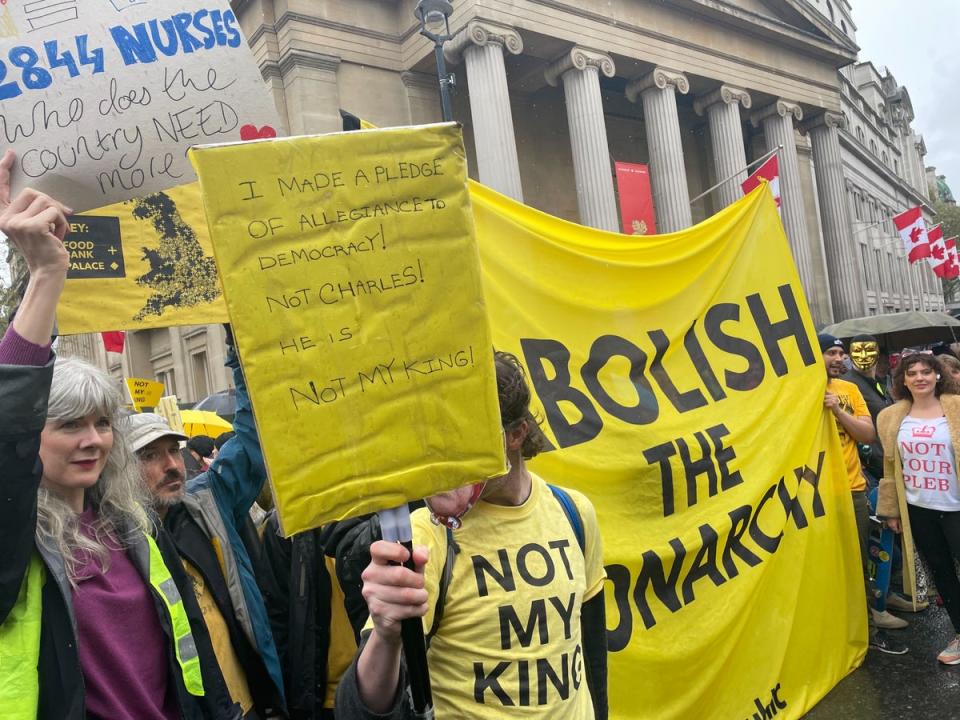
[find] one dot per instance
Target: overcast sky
(918, 41)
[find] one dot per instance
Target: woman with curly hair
(92, 621)
(919, 494)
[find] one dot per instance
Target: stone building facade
(884, 174)
(550, 92)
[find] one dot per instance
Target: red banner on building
(636, 199)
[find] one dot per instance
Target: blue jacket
(219, 501)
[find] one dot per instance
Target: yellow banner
(142, 264)
(144, 393)
(352, 276)
(680, 380)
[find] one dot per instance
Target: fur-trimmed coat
(891, 495)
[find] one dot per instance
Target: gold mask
(864, 354)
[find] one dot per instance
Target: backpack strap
(573, 514)
(446, 576)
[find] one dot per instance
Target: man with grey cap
(208, 519)
(157, 447)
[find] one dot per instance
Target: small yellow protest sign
(142, 264)
(144, 393)
(352, 277)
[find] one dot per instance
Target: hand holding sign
(34, 222)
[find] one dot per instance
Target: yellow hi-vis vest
(20, 638)
(183, 643)
(20, 648)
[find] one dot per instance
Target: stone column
(580, 71)
(846, 289)
(777, 122)
(722, 108)
(481, 45)
(668, 176)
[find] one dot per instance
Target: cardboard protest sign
(144, 393)
(351, 273)
(140, 264)
(101, 99)
(680, 380)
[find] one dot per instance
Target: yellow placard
(680, 380)
(170, 410)
(142, 264)
(144, 393)
(352, 277)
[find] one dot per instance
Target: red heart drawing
(251, 132)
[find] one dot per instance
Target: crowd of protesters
(900, 434)
(136, 581)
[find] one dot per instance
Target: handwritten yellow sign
(352, 278)
(144, 393)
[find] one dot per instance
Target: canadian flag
(939, 259)
(953, 268)
(913, 232)
(769, 171)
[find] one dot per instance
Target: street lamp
(434, 17)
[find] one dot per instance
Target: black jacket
(877, 397)
(192, 544)
(298, 604)
(24, 391)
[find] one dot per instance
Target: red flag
(939, 259)
(769, 171)
(113, 341)
(913, 232)
(953, 268)
(636, 199)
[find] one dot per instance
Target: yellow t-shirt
(851, 401)
(343, 643)
(509, 636)
(233, 673)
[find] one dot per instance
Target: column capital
(729, 94)
(783, 108)
(826, 119)
(480, 33)
(660, 78)
(579, 58)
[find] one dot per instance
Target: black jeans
(937, 535)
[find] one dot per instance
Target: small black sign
(95, 248)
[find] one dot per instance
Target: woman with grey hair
(92, 621)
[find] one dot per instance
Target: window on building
(885, 157)
(881, 275)
(860, 135)
(865, 264)
(896, 166)
(833, 17)
(198, 362)
(873, 146)
(843, 26)
(168, 378)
